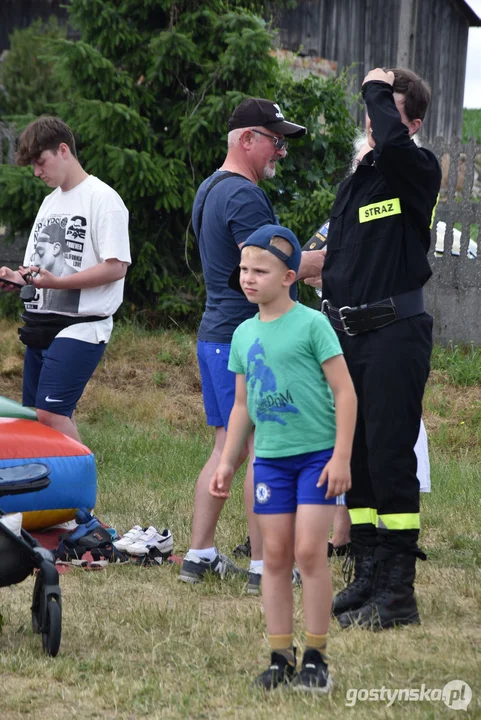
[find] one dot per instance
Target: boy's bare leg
(278, 551)
(278, 548)
(312, 531)
(252, 518)
(207, 509)
(61, 423)
(342, 526)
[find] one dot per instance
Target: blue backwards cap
(262, 238)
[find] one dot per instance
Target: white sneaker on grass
(130, 537)
(151, 539)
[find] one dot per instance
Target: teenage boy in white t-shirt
(76, 260)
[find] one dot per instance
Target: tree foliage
(29, 86)
(148, 91)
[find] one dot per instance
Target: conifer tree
(148, 90)
(27, 85)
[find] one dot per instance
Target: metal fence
(454, 292)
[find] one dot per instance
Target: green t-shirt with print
(288, 397)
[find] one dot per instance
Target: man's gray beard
(269, 172)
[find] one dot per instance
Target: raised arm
(411, 172)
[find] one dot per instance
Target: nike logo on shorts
(49, 399)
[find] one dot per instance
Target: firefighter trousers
(389, 368)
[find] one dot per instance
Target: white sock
(206, 553)
(256, 564)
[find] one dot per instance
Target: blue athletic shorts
(281, 484)
(218, 383)
(54, 379)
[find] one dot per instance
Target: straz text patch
(379, 210)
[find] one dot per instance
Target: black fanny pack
(40, 329)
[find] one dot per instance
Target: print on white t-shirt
(73, 231)
(86, 225)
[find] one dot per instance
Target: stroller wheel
(52, 628)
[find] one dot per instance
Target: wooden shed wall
(429, 36)
(439, 55)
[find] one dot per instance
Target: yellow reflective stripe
(361, 516)
(399, 521)
(434, 212)
(379, 210)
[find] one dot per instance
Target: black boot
(393, 601)
(358, 592)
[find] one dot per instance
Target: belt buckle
(325, 307)
(342, 318)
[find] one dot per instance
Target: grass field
(138, 644)
(471, 124)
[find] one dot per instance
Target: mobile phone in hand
(11, 282)
(319, 240)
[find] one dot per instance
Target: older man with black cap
(228, 207)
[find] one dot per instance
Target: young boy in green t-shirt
(293, 385)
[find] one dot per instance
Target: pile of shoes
(89, 537)
(142, 546)
(146, 546)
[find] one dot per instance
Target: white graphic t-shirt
(73, 231)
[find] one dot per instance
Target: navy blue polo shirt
(234, 208)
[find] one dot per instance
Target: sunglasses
(279, 143)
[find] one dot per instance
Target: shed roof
(468, 12)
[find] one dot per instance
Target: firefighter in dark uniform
(375, 269)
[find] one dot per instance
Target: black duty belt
(373, 316)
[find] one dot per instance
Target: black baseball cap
(254, 112)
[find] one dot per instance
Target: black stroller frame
(21, 555)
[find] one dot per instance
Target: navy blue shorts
(281, 484)
(54, 379)
(218, 383)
